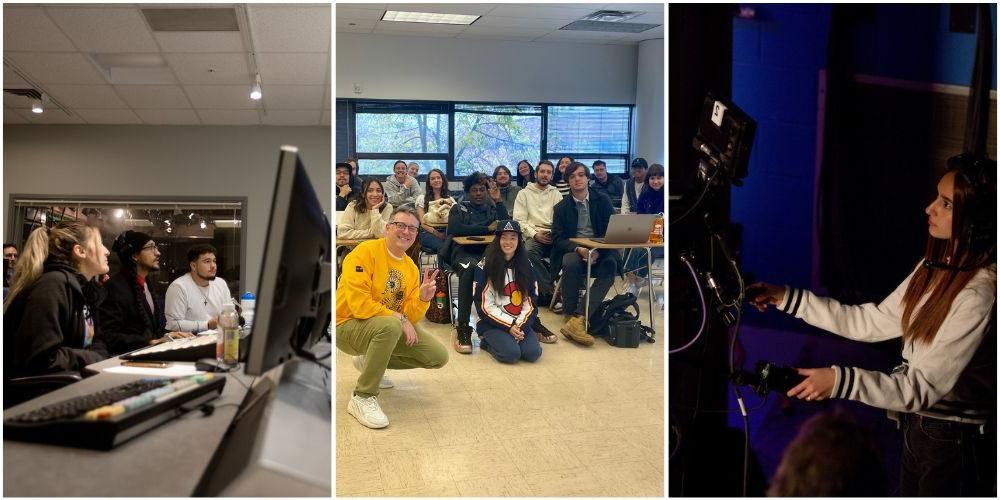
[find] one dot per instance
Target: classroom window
(174, 225)
(491, 135)
(588, 133)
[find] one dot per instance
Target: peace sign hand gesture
(429, 285)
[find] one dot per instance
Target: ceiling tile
(500, 30)
(153, 96)
(168, 116)
(86, 96)
(651, 18)
(11, 80)
(521, 22)
(108, 116)
(544, 11)
(220, 96)
(52, 116)
(368, 6)
(28, 28)
(43, 67)
(294, 96)
(355, 25)
(229, 116)
(418, 29)
(210, 68)
(292, 117)
(105, 29)
(11, 117)
(290, 28)
(351, 13)
(194, 41)
(326, 97)
(581, 36)
(325, 120)
(293, 69)
(634, 7)
(498, 36)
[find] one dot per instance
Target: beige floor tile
(541, 454)
(353, 439)
(438, 403)
(467, 461)
(402, 469)
(438, 489)
(357, 474)
(505, 486)
(566, 483)
(403, 433)
(499, 399)
(629, 479)
(456, 429)
(548, 395)
(514, 424)
(629, 413)
(574, 418)
(602, 446)
(366, 494)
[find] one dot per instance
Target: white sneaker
(634, 287)
(385, 383)
(367, 411)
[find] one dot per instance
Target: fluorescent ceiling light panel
(428, 17)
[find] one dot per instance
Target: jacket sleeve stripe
(798, 300)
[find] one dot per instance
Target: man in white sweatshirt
(533, 210)
(400, 188)
(195, 300)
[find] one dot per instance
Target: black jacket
(127, 323)
(564, 224)
(614, 188)
(44, 326)
(467, 219)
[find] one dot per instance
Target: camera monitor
(725, 135)
(293, 299)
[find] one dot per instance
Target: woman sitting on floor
(506, 295)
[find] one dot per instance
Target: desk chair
(21, 389)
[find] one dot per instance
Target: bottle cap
(248, 296)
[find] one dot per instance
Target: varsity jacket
(502, 309)
(952, 378)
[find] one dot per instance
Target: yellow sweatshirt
(374, 283)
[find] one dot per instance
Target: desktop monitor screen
(293, 299)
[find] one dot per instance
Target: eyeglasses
(151, 246)
(405, 227)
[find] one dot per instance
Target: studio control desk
(193, 453)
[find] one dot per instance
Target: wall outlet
(357, 88)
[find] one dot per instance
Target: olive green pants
(380, 339)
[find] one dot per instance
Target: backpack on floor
(619, 326)
(439, 312)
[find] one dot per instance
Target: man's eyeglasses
(405, 227)
(150, 246)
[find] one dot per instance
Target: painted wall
(396, 67)
(649, 138)
(164, 161)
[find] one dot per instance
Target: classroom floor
(579, 422)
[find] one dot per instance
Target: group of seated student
(59, 315)
(650, 201)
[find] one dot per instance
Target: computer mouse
(210, 365)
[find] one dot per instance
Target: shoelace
(369, 405)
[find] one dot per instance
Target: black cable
(746, 440)
(708, 184)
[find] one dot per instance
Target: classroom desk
(168, 460)
(464, 240)
(592, 245)
(351, 243)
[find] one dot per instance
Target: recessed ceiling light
(428, 17)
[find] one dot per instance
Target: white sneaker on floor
(367, 411)
(385, 383)
(634, 287)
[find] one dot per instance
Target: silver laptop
(626, 229)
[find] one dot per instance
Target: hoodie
(533, 208)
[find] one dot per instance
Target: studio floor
(582, 421)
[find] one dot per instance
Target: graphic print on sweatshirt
(513, 307)
(392, 294)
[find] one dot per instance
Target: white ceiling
(521, 22)
(209, 72)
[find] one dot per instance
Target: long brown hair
(942, 285)
(429, 191)
(54, 244)
(361, 199)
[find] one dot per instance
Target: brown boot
(573, 330)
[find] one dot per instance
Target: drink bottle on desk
(656, 235)
(247, 304)
(227, 348)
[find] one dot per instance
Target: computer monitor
(293, 292)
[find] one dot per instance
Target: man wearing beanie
(633, 187)
(132, 315)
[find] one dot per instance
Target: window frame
(449, 157)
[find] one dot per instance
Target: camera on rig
(725, 135)
(768, 376)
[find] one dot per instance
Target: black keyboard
(107, 418)
(187, 349)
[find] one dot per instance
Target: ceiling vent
(608, 27)
(611, 16)
(29, 93)
(194, 19)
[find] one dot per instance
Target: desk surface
(464, 240)
(589, 243)
(345, 242)
(165, 461)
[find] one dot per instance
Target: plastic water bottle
(475, 342)
(227, 347)
(247, 304)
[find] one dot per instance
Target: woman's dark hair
(524, 180)
(497, 265)
(654, 170)
(558, 175)
(361, 199)
(499, 168)
(473, 179)
(972, 246)
(429, 191)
